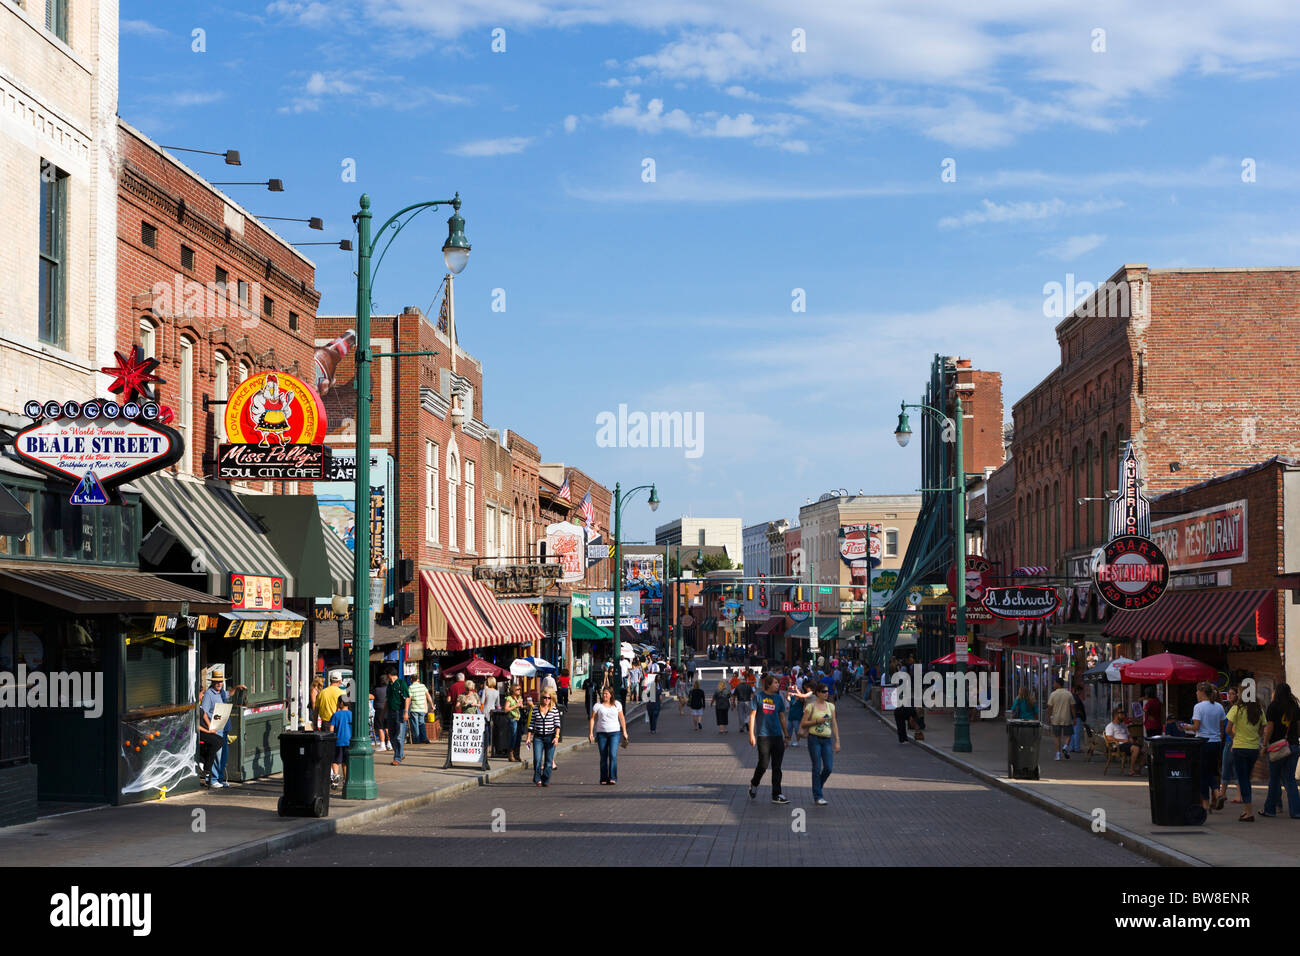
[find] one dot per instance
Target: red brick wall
(152, 188)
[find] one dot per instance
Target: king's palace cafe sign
(1200, 541)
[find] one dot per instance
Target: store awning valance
(1224, 617)
(211, 523)
(279, 614)
(105, 592)
(827, 629)
(461, 614)
(586, 629)
(773, 625)
(293, 523)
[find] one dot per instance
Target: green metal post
(361, 758)
(961, 716)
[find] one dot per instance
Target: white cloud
(680, 186)
(570, 123)
(141, 28)
(740, 93)
(990, 211)
(366, 88)
(504, 146)
(652, 119)
(1075, 246)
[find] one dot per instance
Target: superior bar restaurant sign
(1199, 539)
(1131, 572)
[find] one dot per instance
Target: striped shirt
(544, 725)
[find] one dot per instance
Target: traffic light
(749, 592)
(798, 594)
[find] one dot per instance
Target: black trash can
(306, 756)
(501, 736)
(1023, 737)
(1175, 784)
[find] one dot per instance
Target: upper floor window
(53, 280)
(187, 258)
(430, 491)
(186, 384)
(221, 278)
(268, 307)
(243, 290)
(470, 540)
(149, 234)
(147, 339)
(293, 321)
(891, 542)
(220, 391)
(453, 487)
(56, 18)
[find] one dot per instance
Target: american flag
(587, 510)
(563, 493)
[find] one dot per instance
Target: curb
(254, 850)
(1143, 846)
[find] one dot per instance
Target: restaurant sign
(1024, 602)
(253, 592)
(518, 579)
(565, 542)
(275, 424)
(1200, 539)
(1131, 572)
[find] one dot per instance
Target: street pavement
(682, 799)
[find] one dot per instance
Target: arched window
(1105, 472)
(147, 338)
(1020, 522)
(1076, 492)
(185, 384)
(1056, 523)
(1089, 468)
(453, 490)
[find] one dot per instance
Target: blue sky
(776, 169)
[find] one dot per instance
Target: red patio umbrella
(477, 667)
(972, 660)
(1167, 668)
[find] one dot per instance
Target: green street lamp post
(903, 434)
(455, 252)
(621, 499)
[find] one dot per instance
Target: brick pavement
(681, 800)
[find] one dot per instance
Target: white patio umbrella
(1113, 670)
(530, 666)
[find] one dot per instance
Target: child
(341, 724)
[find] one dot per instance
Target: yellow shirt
(1245, 735)
(327, 701)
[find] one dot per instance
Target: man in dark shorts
(767, 734)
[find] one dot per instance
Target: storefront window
(20, 545)
(68, 532)
(108, 525)
(153, 669)
(264, 670)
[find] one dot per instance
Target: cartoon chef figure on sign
(270, 410)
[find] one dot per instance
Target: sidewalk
(1075, 789)
(240, 823)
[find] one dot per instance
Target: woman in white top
(491, 699)
(606, 724)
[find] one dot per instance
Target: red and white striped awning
(1031, 571)
(461, 614)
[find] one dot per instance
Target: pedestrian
(696, 702)
(1080, 713)
(419, 711)
(836, 685)
(823, 730)
(1246, 725)
(768, 736)
(1226, 765)
(564, 689)
(1153, 722)
(604, 728)
(327, 701)
(652, 706)
(317, 685)
(512, 707)
(470, 702)
(380, 723)
(1025, 707)
(211, 734)
(543, 730)
(399, 712)
(1060, 707)
(1207, 721)
(491, 697)
(458, 687)
(341, 724)
(721, 705)
(1117, 735)
(744, 697)
(798, 699)
(1283, 718)
(683, 691)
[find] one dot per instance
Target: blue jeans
(1244, 762)
(653, 710)
(219, 765)
(1283, 772)
(1076, 741)
(1226, 767)
(418, 734)
(515, 729)
(543, 754)
(822, 752)
(397, 735)
(607, 741)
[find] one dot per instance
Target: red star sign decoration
(133, 377)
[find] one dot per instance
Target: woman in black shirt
(1283, 724)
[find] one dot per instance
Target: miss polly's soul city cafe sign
(275, 423)
(1130, 572)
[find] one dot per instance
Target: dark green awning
(586, 629)
(827, 629)
(293, 524)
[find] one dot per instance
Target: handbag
(1278, 750)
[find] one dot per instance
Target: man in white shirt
(1117, 734)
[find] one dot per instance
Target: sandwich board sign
(468, 744)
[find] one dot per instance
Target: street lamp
(272, 185)
(903, 434)
(361, 776)
(619, 501)
(315, 222)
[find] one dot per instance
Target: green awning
(827, 629)
(293, 524)
(586, 629)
